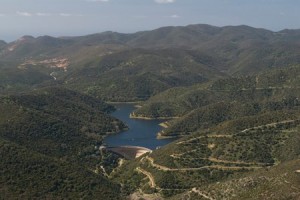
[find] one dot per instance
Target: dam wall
(128, 152)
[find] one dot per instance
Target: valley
(225, 100)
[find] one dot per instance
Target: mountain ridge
(150, 56)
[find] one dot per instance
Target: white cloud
(69, 15)
(175, 16)
(24, 14)
(2, 15)
(43, 14)
(164, 1)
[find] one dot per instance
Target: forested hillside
(50, 142)
(229, 95)
(26, 174)
(204, 105)
(230, 129)
(139, 74)
(112, 64)
(221, 153)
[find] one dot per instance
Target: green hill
(16, 80)
(60, 122)
(49, 140)
(216, 155)
(273, 85)
(138, 74)
(280, 182)
(26, 174)
(231, 128)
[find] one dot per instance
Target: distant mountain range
(166, 57)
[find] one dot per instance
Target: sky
(82, 17)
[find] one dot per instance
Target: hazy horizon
(85, 34)
(83, 17)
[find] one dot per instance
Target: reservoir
(140, 133)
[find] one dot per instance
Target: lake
(140, 133)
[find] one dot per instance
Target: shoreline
(161, 137)
(135, 103)
(164, 124)
(133, 116)
(125, 102)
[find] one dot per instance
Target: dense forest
(50, 142)
(229, 95)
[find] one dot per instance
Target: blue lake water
(140, 133)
